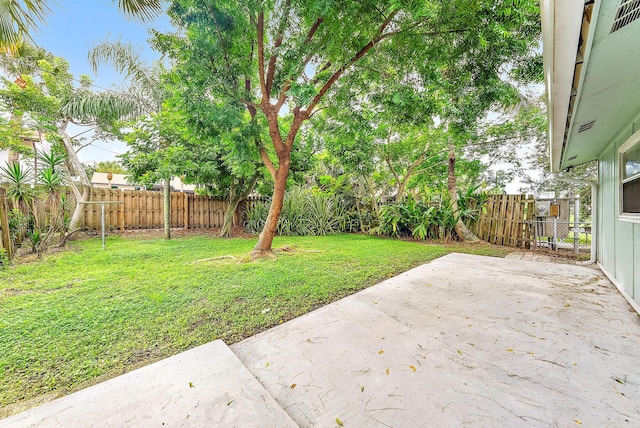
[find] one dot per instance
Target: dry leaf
(509, 350)
(362, 389)
(339, 422)
(577, 421)
(566, 305)
(190, 384)
(387, 371)
(413, 368)
(381, 351)
(267, 364)
(459, 352)
(293, 385)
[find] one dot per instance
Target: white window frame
(632, 142)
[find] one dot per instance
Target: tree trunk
(263, 247)
(167, 208)
(461, 229)
(234, 201)
(75, 167)
(76, 219)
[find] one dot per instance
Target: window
(630, 176)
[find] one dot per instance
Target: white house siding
(618, 241)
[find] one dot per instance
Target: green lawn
(85, 314)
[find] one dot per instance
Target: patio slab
(205, 386)
(464, 340)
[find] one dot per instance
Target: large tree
(282, 55)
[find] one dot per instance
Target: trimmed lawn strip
(87, 313)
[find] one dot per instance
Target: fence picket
(504, 220)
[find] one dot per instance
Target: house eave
(561, 27)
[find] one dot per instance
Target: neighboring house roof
(591, 66)
(117, 180)
(178, 185)
(120, 180)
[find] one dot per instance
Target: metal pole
(576, 224)
(104, 247)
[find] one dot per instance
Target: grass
(84, 315)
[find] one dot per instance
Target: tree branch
(283, 94)
(251, 185)
(267, 162)
(263, 83)
(271, 69)
(352, 61)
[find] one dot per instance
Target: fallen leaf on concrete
(362, 389)
(459, 352)
(339, 422)
(267, 364)
(577, 421)
(293, 385)
(381, 351)
(509, 350)
(190, 384)
(387, 371)
(413, 368)
(566, 305)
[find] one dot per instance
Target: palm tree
(17, 179)
(19, 18)
(143, 96)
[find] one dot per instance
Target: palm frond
(141, 10)
(18, 19)
(125, 59)
(108, 105)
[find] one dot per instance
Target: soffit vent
(628, 11)
(586, 126)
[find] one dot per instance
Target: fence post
(186, 210)
(576, 224)
(4, 223)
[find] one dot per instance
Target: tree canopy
(283, 56)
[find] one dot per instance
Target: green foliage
(4, 259)
(18, 223)
(304, 213)
(18, 180)
(394, 65)
(35, 238)
(430, 218)
(256, 217)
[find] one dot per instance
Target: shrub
(256, 216)
(431, 218)
(303, 213)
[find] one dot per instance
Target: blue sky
(70, 31)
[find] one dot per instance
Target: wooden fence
(504, 221)
(144, 210)
(5, 238)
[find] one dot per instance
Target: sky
(72, 28)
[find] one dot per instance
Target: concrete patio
(462, 341)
